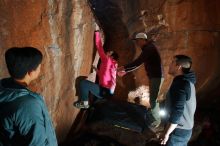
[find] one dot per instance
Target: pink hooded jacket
(108, 67)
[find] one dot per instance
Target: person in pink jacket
(107, 76)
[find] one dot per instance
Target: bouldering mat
(120, 114)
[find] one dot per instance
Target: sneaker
(152, 120)
(155, 123)
(80, 104)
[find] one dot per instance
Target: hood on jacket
(188, 76)
(10, 90)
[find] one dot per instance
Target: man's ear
(179, 67)
(30, 73)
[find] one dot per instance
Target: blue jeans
(179, 137)
(87, 87)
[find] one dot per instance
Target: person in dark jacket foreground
(180, 103)
(24, 118)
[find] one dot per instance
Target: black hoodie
(181, 100)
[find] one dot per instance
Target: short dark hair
(115, 55)
(184, 61)
(20, 61)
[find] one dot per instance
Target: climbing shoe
(80, 104)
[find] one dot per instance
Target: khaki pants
(154, 87)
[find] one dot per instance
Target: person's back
(24, 119)
(152, 61)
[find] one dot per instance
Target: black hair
(115, 55)
(184, 61)
(20, 61)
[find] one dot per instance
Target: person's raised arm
(98, 43)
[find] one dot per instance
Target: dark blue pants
(87, 87)
(179, 137)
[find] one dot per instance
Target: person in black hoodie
(180, 103)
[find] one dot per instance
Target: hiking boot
(80, 104)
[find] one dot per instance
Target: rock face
(195, 25)
(63, 31)
(177, 26)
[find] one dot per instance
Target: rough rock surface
(177, 26)
(63, 31)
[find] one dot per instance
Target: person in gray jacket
(24, 118)
(180, 103)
